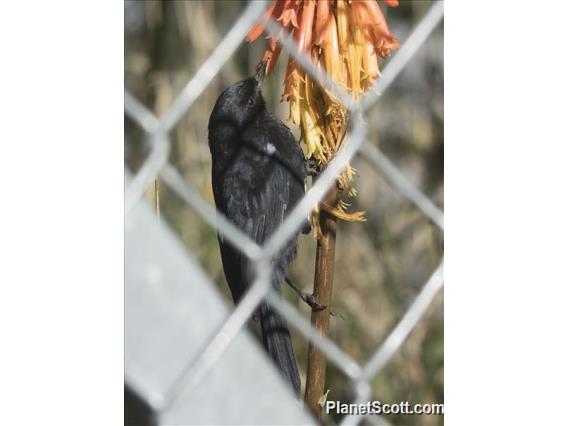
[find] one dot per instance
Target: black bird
(259, 175)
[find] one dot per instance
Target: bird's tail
(278, 343)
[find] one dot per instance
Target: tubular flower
(343, 37)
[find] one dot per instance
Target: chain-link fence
(156, 165)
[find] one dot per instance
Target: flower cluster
(345, 38)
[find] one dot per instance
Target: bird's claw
(312, 302)
(312, 167)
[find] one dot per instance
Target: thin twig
(157, 198)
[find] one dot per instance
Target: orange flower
(345, 38)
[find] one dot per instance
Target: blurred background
(382, 263)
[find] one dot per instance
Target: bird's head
(241, 102)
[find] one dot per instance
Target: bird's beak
(260, 73)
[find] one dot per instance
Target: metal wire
(343, 361)
(189, 94)
(397, 179)
(196, 370)
(363, 394)
(316, 73)
(148, 121)
(156, 164)
(412, 316)
(212, 65)
(430, 21)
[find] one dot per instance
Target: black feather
(258, 177)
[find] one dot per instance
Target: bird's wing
(264, 183)
(256, 193)
(290, 153)
(292, 157)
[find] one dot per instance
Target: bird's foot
(311, 300)
(312, 167)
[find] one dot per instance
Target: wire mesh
(156, 165)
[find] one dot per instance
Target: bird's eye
(250, 102)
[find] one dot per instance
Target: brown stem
(323, 283)
(157, 198)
